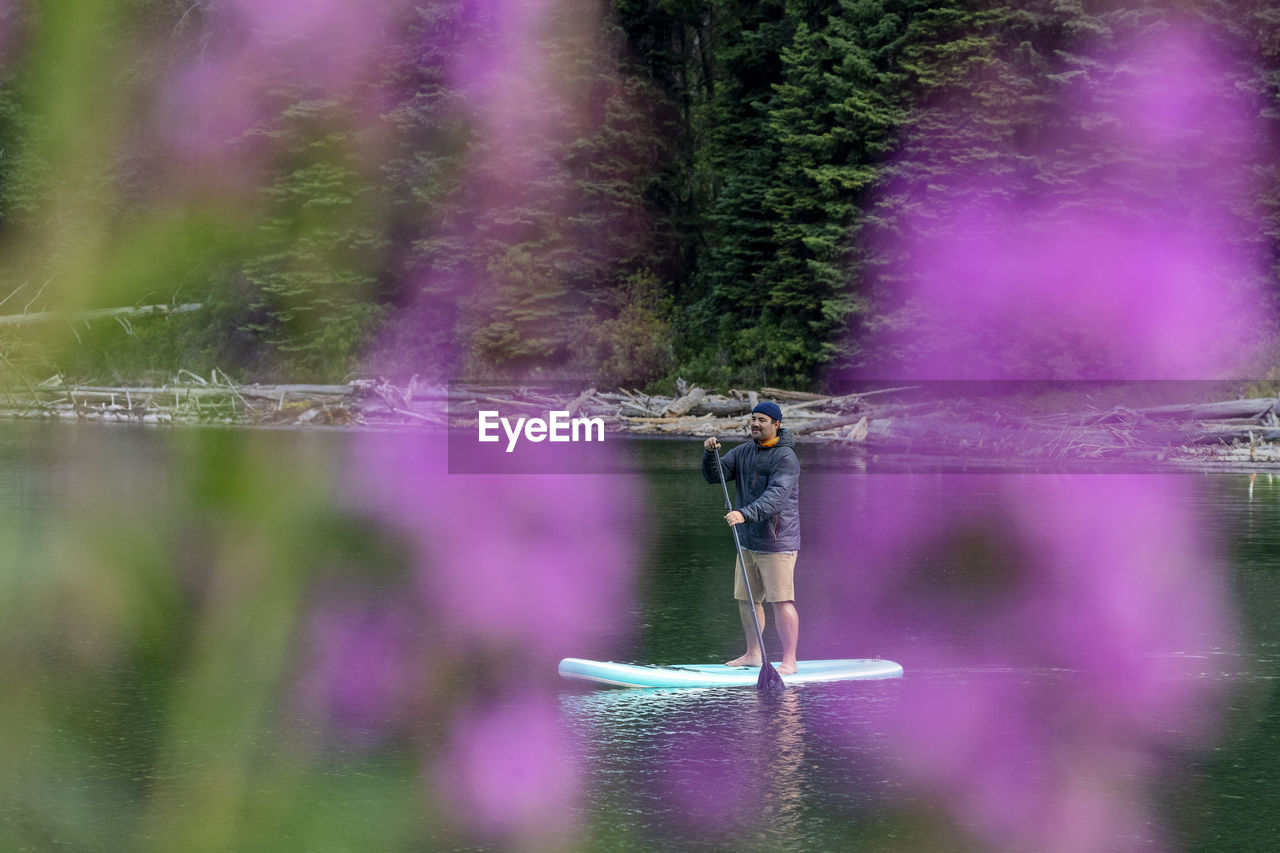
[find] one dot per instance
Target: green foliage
(318, 249)
(804, 113)
(627, 340)
(22, 173)
(833, 115)
(145, 351)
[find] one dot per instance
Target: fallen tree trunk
(1249, 408)
(97, 314)
(781, 394)
(685, 405)
(826, 424)
(721, 408)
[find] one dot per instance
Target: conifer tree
(831, 119)
(739, 160)
(797, 154)
(320, 248)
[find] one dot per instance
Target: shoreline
(899, 423)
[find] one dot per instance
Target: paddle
(769, 678)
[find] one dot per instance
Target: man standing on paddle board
(768, 476)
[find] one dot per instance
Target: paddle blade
(769, 678)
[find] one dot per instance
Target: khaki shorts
(772, 576)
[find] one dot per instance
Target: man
(768, 476)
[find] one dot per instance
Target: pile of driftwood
(908, 420)
(194, 400)
(695, 412)
(1229, 430)
(217, 400)
(904, 419)
(379, 402)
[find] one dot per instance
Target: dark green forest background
(711, 205)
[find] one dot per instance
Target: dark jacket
(768, 481)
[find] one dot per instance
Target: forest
(734, 193)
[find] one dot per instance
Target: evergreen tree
(831, 118)
(312, 275)
(739, 159)
(433, 136)
(21, 171)
(804, 112)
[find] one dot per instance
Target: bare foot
(745, 660)
(787, 668)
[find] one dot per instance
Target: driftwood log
(685, 404)
(122, 315)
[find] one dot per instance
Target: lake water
(264, 640)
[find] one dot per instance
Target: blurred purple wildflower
(250, 50)
(507, 769)
(1143, 262)
(535, 565)
(363, 665)
(1098, 589)
(512, 573)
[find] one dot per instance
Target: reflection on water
(723, 765)
(236, 640)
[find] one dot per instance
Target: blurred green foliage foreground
(153, 602)
(232, 639)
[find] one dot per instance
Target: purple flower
(218, 103)
(1055, 630)
(535, 565)
(1140, 262)
(507, 771)
(363, 665)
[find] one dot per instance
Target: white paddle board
(610, 674)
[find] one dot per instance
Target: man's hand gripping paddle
(769, 678)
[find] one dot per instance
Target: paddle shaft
(742, 563)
